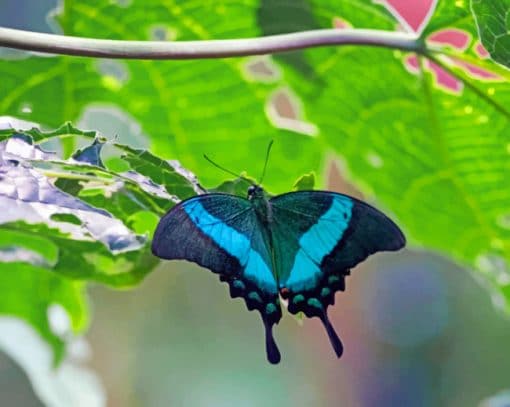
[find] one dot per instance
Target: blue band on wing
(318, 242)
(234, 243)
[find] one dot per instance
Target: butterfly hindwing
(318, 237)
(222, 233)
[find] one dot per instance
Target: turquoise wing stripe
(318, 242)
(234, 243)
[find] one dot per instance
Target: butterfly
(298, 247)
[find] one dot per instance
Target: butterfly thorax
(257, 196)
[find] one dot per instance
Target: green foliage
(438, 159)
(73, 220)
(306, 182)
(28, 291)
(494, 25)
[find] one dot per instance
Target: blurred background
(417, 329)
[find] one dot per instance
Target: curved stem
(90, 47)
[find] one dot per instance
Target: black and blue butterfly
(298, 246)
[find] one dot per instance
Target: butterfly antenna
(227, 170)
(265, 162)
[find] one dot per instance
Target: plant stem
(90, 47)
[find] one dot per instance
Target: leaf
(29, 290)
(91, 154)
(305, 183)
(34, 199)
(92, 244)
(493, 25)
(183, 117)
(237, 186)
(436, 157)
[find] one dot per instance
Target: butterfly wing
(318, 237)
(222, 233)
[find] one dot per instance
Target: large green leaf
(435, 158)
(86, 213)
(493, 26)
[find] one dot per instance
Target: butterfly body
(297, 246)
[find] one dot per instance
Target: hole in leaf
(284, 110)
(162, 33)
(14, 254)
(66, 217)
(114, 73)
(262, 69)
(341, 23)
(114, 123)
(374, 159)
(122, 3)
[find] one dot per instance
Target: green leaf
(435, 158)
(237, 186)
(184, 117)
(91, 244)
(28, 291)
(493, 26)
(305, 183)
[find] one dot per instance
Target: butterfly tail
(273, 354)
(333, 337)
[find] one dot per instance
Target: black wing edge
(177, 238)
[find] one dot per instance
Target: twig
(67, 45)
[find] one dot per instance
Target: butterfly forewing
(222, 233)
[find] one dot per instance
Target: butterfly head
(254, 192)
